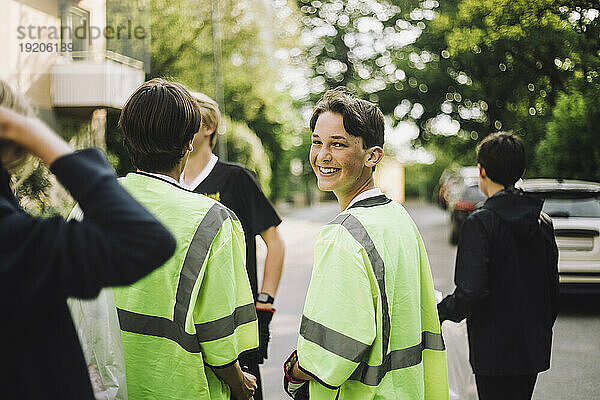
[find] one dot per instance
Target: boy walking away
(184, 326)
(506, 277)
(369, 329)
(237, 188)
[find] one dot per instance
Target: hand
(248, 387)
(297, 389)
(32, 135)
(11, 123)
(264, 312)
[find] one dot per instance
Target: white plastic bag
(97, 326)
(99, 333)
(461, 380)
(460, 375)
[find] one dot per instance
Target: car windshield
(586, 207)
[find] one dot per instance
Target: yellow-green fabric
(370, 328)
(197, 309)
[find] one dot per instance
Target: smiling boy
(370, 327)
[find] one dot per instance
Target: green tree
(253, 54)
(571, 148)
(246, 148)
(520, 56)
(388, 52)
(470, 68)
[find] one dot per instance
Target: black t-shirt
(237, 188)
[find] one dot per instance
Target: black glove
(296, 389)
(264, 332)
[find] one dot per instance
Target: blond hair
(19, 104)
(211, 115)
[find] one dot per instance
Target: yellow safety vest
(197, 309)
(370, 328)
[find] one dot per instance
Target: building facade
(55, 53)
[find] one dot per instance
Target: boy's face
(338, 158)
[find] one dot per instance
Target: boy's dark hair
(503, 156)
(361, 118)
(158, 121)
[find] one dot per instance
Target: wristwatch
(265, 298)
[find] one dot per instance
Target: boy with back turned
(185, 325)
(237, 188)
(506, 277)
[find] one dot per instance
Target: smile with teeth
(328, 170)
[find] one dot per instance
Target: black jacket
(44, 261)
(506, 285)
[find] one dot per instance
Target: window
(75, 30)
(586, 207)
(570, 204)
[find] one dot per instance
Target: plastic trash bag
(461, 380)
(97, 326)
(99, 333)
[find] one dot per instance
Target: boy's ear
(375, 154)
(210, 130)
(482, 172)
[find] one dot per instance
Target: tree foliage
(461, 69)
(246, 148)
(386, 51)
(522, 55)
(252, 56)
(571, 148)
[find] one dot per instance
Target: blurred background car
(447, 179)
(463, 197)
(574, 207)
(447, 185)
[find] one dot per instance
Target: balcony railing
(95, 79)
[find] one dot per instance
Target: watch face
(265, 298)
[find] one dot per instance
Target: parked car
(464, 197)
(574, 207)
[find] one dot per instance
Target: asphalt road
(575, 370)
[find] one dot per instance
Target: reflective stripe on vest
(205, 332)
(335, 342)
(398, 359)
(360, 234)
(352, 349)
(195, 256)
(194, 259)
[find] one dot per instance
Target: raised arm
(118, 243)
(33, 135)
